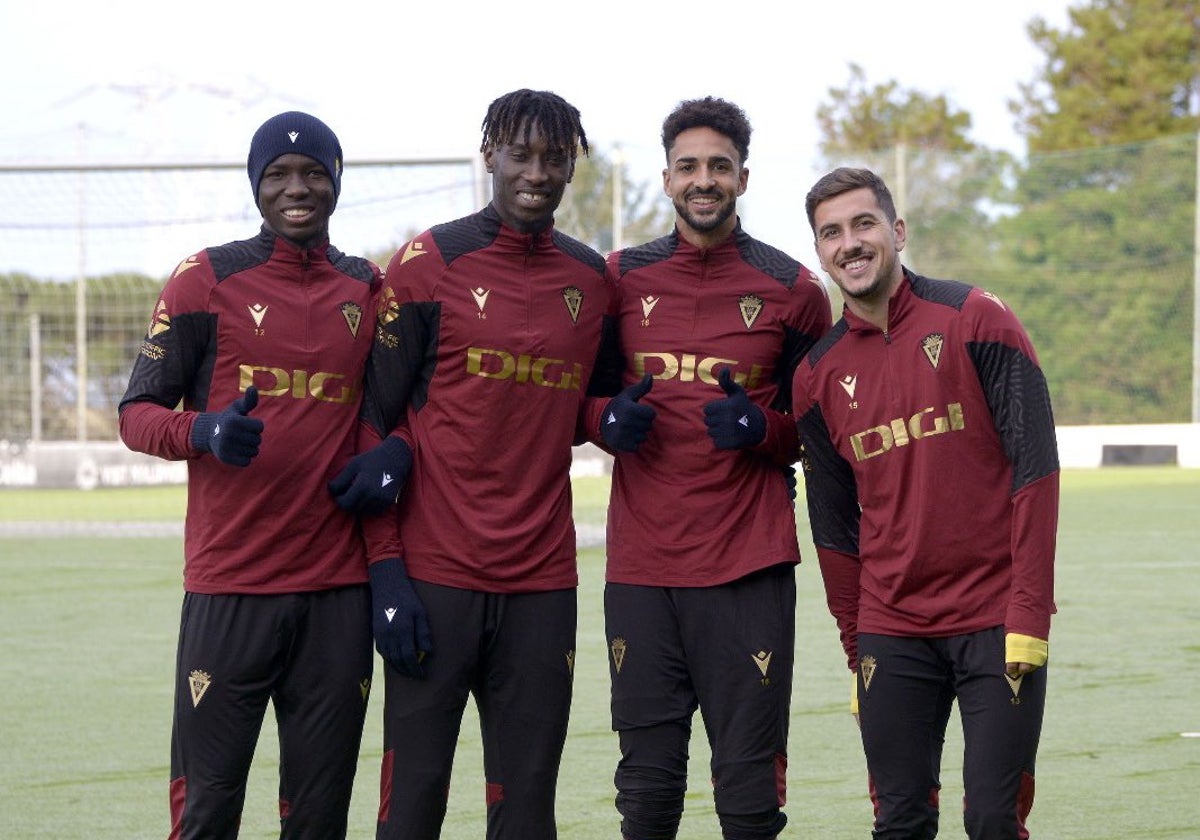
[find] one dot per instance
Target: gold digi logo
(899, 432)
(524, 368)
(277, 382)
(687, 367)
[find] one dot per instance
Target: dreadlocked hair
(521, 110)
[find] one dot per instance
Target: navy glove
(398, 618)
(372, 480)
(626, 422)
(734, 422)
(230, 435)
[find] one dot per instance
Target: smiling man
(700, 588)
(932, 476)
(263, 342)
(486, 340)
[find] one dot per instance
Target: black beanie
(298, 133)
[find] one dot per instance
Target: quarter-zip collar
(899, 305)
(510, 239)
(287, 252)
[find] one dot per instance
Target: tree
(587, 210)
(857, 119)
(1103, 244)
(945, 185)
(1123, 71)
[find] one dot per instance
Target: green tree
(945, 185)
(1102, 247)
(587, 210)
(1123, 71)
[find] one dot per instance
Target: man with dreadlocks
(487, 335)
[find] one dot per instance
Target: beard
(707, 223)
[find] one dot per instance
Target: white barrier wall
(89, 465)
(1096, 446)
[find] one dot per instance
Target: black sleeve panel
(826, 342)
(650, 253)
(1019, 400)
(796, 345)
(768, 259)
(952, 293)
(610, 361)
(829, 484)
(576, 250)
(176, 364)
(233, 257)
(401, 365)
(355, 267)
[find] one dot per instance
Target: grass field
(87, 637)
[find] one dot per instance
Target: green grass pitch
(87, 640)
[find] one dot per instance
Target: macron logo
(744, 420)
(612, 418)
(387, 479)
(390, 612)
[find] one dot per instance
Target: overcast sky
(170, 81)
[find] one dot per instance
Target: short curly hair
(710, 112)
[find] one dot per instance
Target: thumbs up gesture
(734, 422)
(232, 435)
(626, 422)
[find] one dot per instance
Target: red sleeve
(148, 427)
(1019, 400)
(781, 443)
(841, 575)
(1034, 530)
(381, 533)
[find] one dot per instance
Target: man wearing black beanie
(264, 342)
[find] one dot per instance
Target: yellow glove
(1019, 648)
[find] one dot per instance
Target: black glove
(734, 422)
(398, 618)
(230, 435)
(626, 422)
(372, 480)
